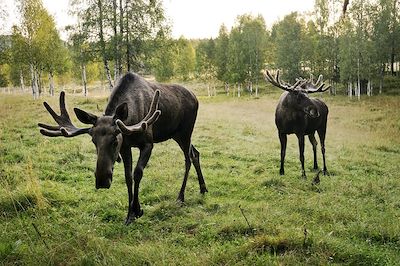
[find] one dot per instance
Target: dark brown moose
(138, 114)
(297, 113)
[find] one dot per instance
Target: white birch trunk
(116, 72)
(34, 83)
(21, 81)
(108, 75)
(251, 88)
(51, 83)
(350, 90)
(238, 88)
(371, 89)
(85, 91)
(256, 90)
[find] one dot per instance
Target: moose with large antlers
(297, 113)
(138, 114)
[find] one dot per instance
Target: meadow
(51, 213)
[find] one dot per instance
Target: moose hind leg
(314, 144)
(184, 144)
(321, 134)
(195, 156)
(181, 196)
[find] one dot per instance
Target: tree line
(356, 51)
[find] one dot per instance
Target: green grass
(351, 218)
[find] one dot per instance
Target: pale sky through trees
(190, 18)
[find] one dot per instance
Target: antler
(278, 83)
(310, 87)
(304, 85)
(65, 127)
(149, 119)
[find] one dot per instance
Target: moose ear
(122, 112)
(85, 117)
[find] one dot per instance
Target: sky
(189, 18)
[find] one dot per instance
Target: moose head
(297, 94)
(106, 132)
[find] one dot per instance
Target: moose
(297, 113)
(138, 114)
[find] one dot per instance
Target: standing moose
(138, 114)
(297, 113)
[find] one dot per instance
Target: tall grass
(50, 212)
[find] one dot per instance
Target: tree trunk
(21, 81)
(39, 80)
(350, 90)
(257, 89)
(51, 83)
(251, 88)
(128, 51)
(116, 42)
(358, 78)
(371, 89)
(103, 45)
(227, 88)
(238, 88)
(85, 91)
(34, 83)
(120, 37)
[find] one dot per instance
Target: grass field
(51, 214)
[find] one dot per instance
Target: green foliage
(185, 59)
(36, 45)
(163, 57)
(205, 58)
(350, 217)
(221, 54)
(287, 37)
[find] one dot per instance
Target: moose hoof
(132, 216)
(203, 189)
(325, 172)
(180, 199)
(281, 172)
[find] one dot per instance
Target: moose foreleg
(314, 146)
(135, 211)
(283, 140)
(301, 150)
(126, 155)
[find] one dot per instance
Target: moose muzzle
(103, 178)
